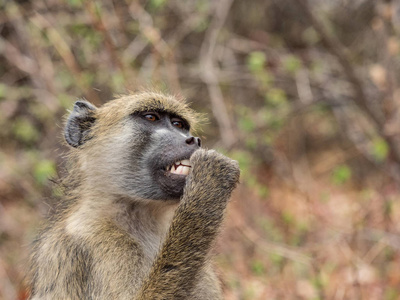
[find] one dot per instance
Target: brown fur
(106, 245)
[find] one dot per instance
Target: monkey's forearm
(194, 227)
(183, 254)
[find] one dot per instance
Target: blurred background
(304, 94)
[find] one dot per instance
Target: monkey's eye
(178, 123)
(151, 117)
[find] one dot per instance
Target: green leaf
(288, 217)
(246, 124)
(276, 259)
(118, 81)
(24, 130)
(276, 97)
(263, 191)
(341, 174)
(244, 159)
(87, 78)
(256, 61)
(43, 170)
(157, 4)
(202, 25)
(292, 64)
(251, 142)
(65, 100)
(258, 267)
(380, 149)
(75, 3)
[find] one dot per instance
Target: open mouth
(171, 172)
(181, 167)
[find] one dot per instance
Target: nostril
(190, 141)
(193, 141)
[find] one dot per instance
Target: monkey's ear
(79, 123)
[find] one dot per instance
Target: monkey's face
(166, 155)
(145, 154)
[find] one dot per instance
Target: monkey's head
(137, 146)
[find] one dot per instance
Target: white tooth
(185, 170)
(173, 170)
(179, 170)
(185, 162)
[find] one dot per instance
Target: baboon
(143, 205)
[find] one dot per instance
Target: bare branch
(209, 76)
(335, 47)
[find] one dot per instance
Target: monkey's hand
(212, 174)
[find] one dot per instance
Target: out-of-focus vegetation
(304, 94)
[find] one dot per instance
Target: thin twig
(64, 50)
(209, 76)
(16, 58)
(275, 248)
(99, 25)
(153, 34)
